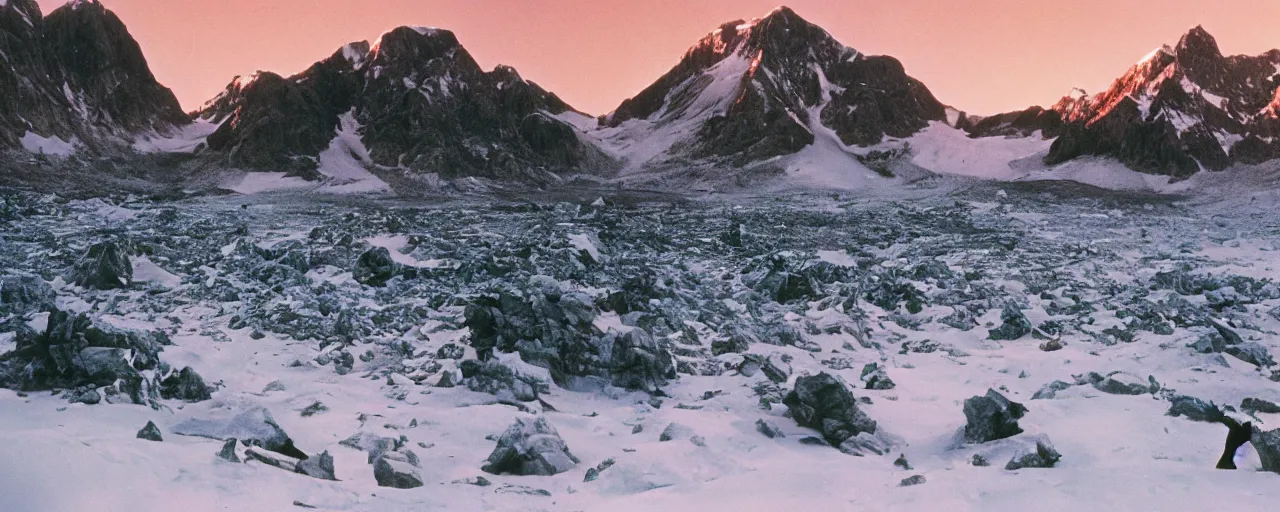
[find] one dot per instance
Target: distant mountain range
(752, 101)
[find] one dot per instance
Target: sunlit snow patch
(344, 163)
(184, 139)
(53, 146)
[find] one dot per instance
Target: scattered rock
(530, 448)
(912, 480)
(500, 380)
(674, 432)
(594, 473)
(1259, 405)
(150, 432)
(272, 459)
(1194, 409)
(824, 403)
(902, 462)
(451, 351)
(1123, 384)
(640, 362)
(1052, 345)
(274, 385)
(1267, 444)
(979, 461)
(1050, 390)
(313, 409)
(1015, 325)
(1252, 353)
(375, 267)
(991, 417)
(875, 376)
(22, 295)
(769, 430)
(228, 451)
(865, 443)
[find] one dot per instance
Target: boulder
(451, 351)
(252, 427)
(1015, 325)
(375, 267)
(824, 403)
(228, 451)
(530, 448)
(1037, 452)
(863, 444)
(675, 431)
(273, 459)
(500, 380)
(150, 432)
(105, 266)
(1252, 353)
(186, 385)
(1267, 444)
(320, 466)
(991, 417)
(398, 474)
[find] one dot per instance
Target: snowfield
(662, 341)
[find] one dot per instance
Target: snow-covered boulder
(824, 403)
(530, 448)
(253, 426)
(991, 417)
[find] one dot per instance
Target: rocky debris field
(984, 350)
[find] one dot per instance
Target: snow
(52, 146)
(354, 56)
(582, 242)
(395, 245)
(839, 258)
(259, 182)
(426, 31)
(183, 139)
(145, 271)
(943, 149)
(346, 160)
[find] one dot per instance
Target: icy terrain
(668, 345)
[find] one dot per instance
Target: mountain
(769, 87)
(414, 101)
(76, 79)
(1177, 111)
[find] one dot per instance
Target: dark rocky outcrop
(21, 295)
(150, 432)
(1037, 453)
(991, 417)
(105, 266)
(824, 403)
(186, 385)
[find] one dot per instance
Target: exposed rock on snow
(640, 362)
(912, 480)
(530, 448)
(1259, 405)
(876, 377)
(495, 378)
(186, 385)
(1252, 353)
(150, 432)
(398, 474)
(674, 432)
(1194, 409)
(320, 466)
(1034, 452)
(1267, 444)
(229, 451)
(769, 429)
(21, 295)
(1015, 325)
(105, 266)
(1050, 390)
(375, 267)
(824, 403)
(1124, 384)
(991, 417)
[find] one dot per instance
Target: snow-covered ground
(238, 283)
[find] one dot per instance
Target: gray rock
(228, 451)
(1259, 405)
(448, 379)
(284, 462)
(530, 448)
(912, 480)
(87, 397)
(150, 432)
(186, 385)
(497, 379)
(375, 267)
(1123, 384)
(863, 444)
(1050, 390)
(638, 361)
(451, 351)
(875, 376)
(594, 473)
(105, 266)
(320, 466)
(1252, 353)
(769, 430)
(902, 462)
(252, 427)
(1267, 444)
(1194, 409)
(824, 403)
(1015, 325)
(991, 417)
(979, 461)
(675, 431)
(1037, 454)
(396, 474)
(22, 295)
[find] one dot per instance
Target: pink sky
(983, 56)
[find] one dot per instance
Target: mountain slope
(1177, 111)
(421, 105)
(754, 90)
(76, 77)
